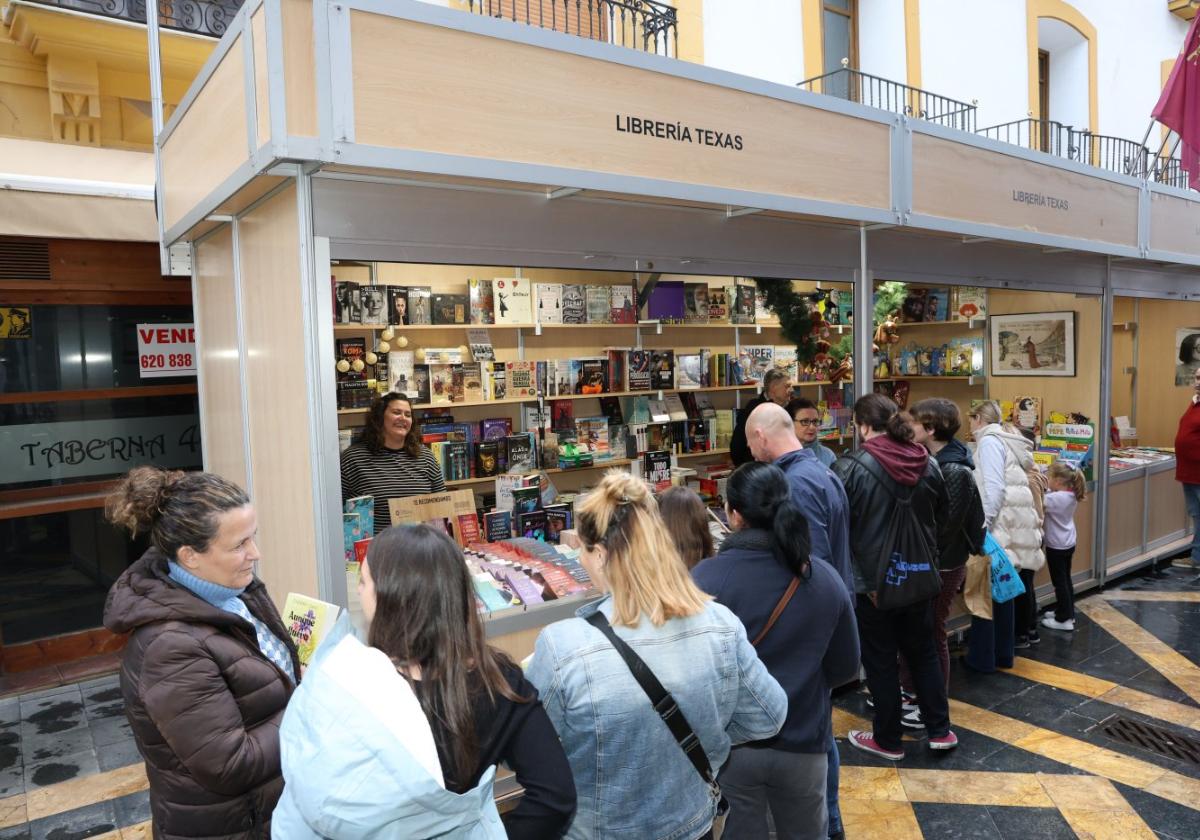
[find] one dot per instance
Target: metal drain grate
(1153, 738)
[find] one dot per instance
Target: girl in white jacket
(1011, 516)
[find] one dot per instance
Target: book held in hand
(308, 621)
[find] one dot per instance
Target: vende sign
(166, 350)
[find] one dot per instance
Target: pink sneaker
(945, 742)
(866, 742)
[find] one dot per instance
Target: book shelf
(530, 340)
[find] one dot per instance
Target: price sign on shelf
(166, 350)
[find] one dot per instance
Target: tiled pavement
(1032, 761)
(69, 768)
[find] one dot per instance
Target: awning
(58, 190)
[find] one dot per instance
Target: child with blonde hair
(1066, 489)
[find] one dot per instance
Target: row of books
(516, 301)
(936, 304)
(523, 571)
(446, 376)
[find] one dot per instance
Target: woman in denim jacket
(632, 778)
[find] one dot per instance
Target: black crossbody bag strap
(664, 704)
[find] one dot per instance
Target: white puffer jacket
(1001, 459)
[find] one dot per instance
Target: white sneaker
(1049, 620)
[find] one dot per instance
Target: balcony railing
(877, 92)
(638, 24)
(1047, 136)
(1116, 154)
(199, 17)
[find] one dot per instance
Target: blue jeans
(1191, 496)
(831, 789)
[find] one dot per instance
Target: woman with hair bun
(209, 666)
(632, 777)
(801, 620)
(886, 472)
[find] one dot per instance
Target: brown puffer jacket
(204, 704)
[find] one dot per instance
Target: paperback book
(666, 302)
(755, 361)
(690, 372)
(656, 467)
(592, 433)
(497, 525)
(519, 453)
(589, 376)
(532, 525)
(514, 300)
(520, 379)
(599, 304)
(308, 621)
(742, 303)
(347, 302)
(441, 384)
(472, 382)
(420, 305)
(480, 301)
(622, 304)
(549, 303)
(574, 304)
(397, 305)
(374, 305)
(695, 303)
(639, 370)
(559, 518)
(487, 458)
(718, 306)
(480, 344)
(450, 309)
(662, 369)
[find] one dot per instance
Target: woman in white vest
(1002, 458)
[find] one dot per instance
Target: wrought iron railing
(643, 25)
(898, 98)
(199, 17)
(1116, 154)
(1047, 136)
(1169, 171)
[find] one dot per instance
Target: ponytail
(1069, 476)
(880, 414)
(760, 493)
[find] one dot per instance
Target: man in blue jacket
(815, 489)
(822, 499)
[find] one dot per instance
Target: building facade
(79, 273)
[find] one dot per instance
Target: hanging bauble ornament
(401, 342)
(418, 355)
(388, 334)
(383, 347)
(357, 365)
(371, 358)
(343, 366)
(462, 349)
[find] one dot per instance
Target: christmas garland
(802, 322)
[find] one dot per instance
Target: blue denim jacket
(631, 777)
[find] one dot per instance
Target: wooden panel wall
(1125, 312)
(1078, 393)
(300, 73)
(956, 181)
(220, 362)
(210, 141)
(1160, 402)
(278, 395)
(526, 107)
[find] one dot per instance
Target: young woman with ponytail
(886, 468)
(632, 777)
(764, 572)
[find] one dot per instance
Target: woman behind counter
(390, 462)
(209, 666)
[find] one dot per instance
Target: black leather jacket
(964, 516)
(871, 510)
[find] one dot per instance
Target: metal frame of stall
(380, 203)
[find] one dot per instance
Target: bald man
(815, 489)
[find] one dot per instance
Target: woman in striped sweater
(389, 462)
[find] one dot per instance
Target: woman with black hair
(1189, 360)
(892, 482)
(401, 737)
(798, 615)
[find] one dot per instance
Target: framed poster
(1187, 355)
(1033, 344)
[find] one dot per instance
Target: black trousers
(1059, 561)
(1025, 618)
(908, 630)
